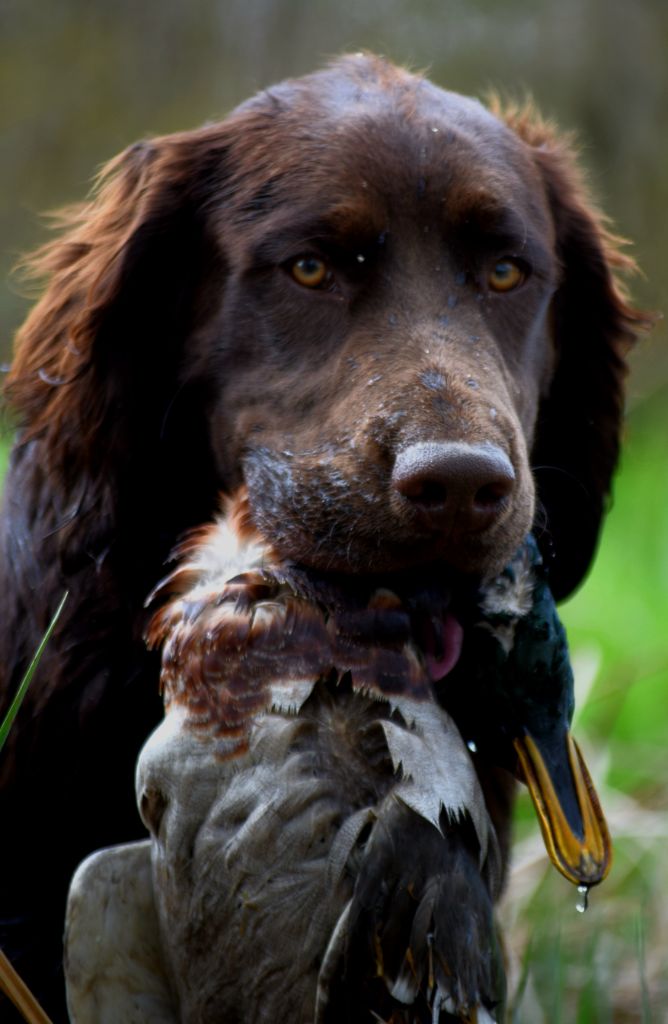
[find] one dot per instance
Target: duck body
(320, 849)
(303, 884)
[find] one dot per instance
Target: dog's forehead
(372, 88)
(365, 116)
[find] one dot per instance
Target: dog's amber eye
(309, 271)
(506, 275)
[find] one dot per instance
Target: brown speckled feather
(243, 633)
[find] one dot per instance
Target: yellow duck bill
(574, 829)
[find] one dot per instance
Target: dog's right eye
(310, 272)
(507, 275)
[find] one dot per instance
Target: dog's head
(389, 312)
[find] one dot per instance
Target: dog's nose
(463, 486)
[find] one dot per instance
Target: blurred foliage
(83, 78)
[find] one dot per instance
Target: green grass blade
(25, 682)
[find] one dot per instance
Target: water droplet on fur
(433, 380)
(583, 903)
(493, 413)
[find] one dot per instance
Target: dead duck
(320, 848)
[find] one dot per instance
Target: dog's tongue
(443, 637)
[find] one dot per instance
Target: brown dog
(390, 313)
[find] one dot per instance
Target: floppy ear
(100, 352)
(580, 419)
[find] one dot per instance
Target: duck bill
(571, 820)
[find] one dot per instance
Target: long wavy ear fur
(103, 343)
(580, 419)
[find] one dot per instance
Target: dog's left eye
(506, 274)
(310, 272)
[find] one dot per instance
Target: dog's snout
(452, 483)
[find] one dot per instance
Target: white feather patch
(436, 768)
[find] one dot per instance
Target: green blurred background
(80, 80)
